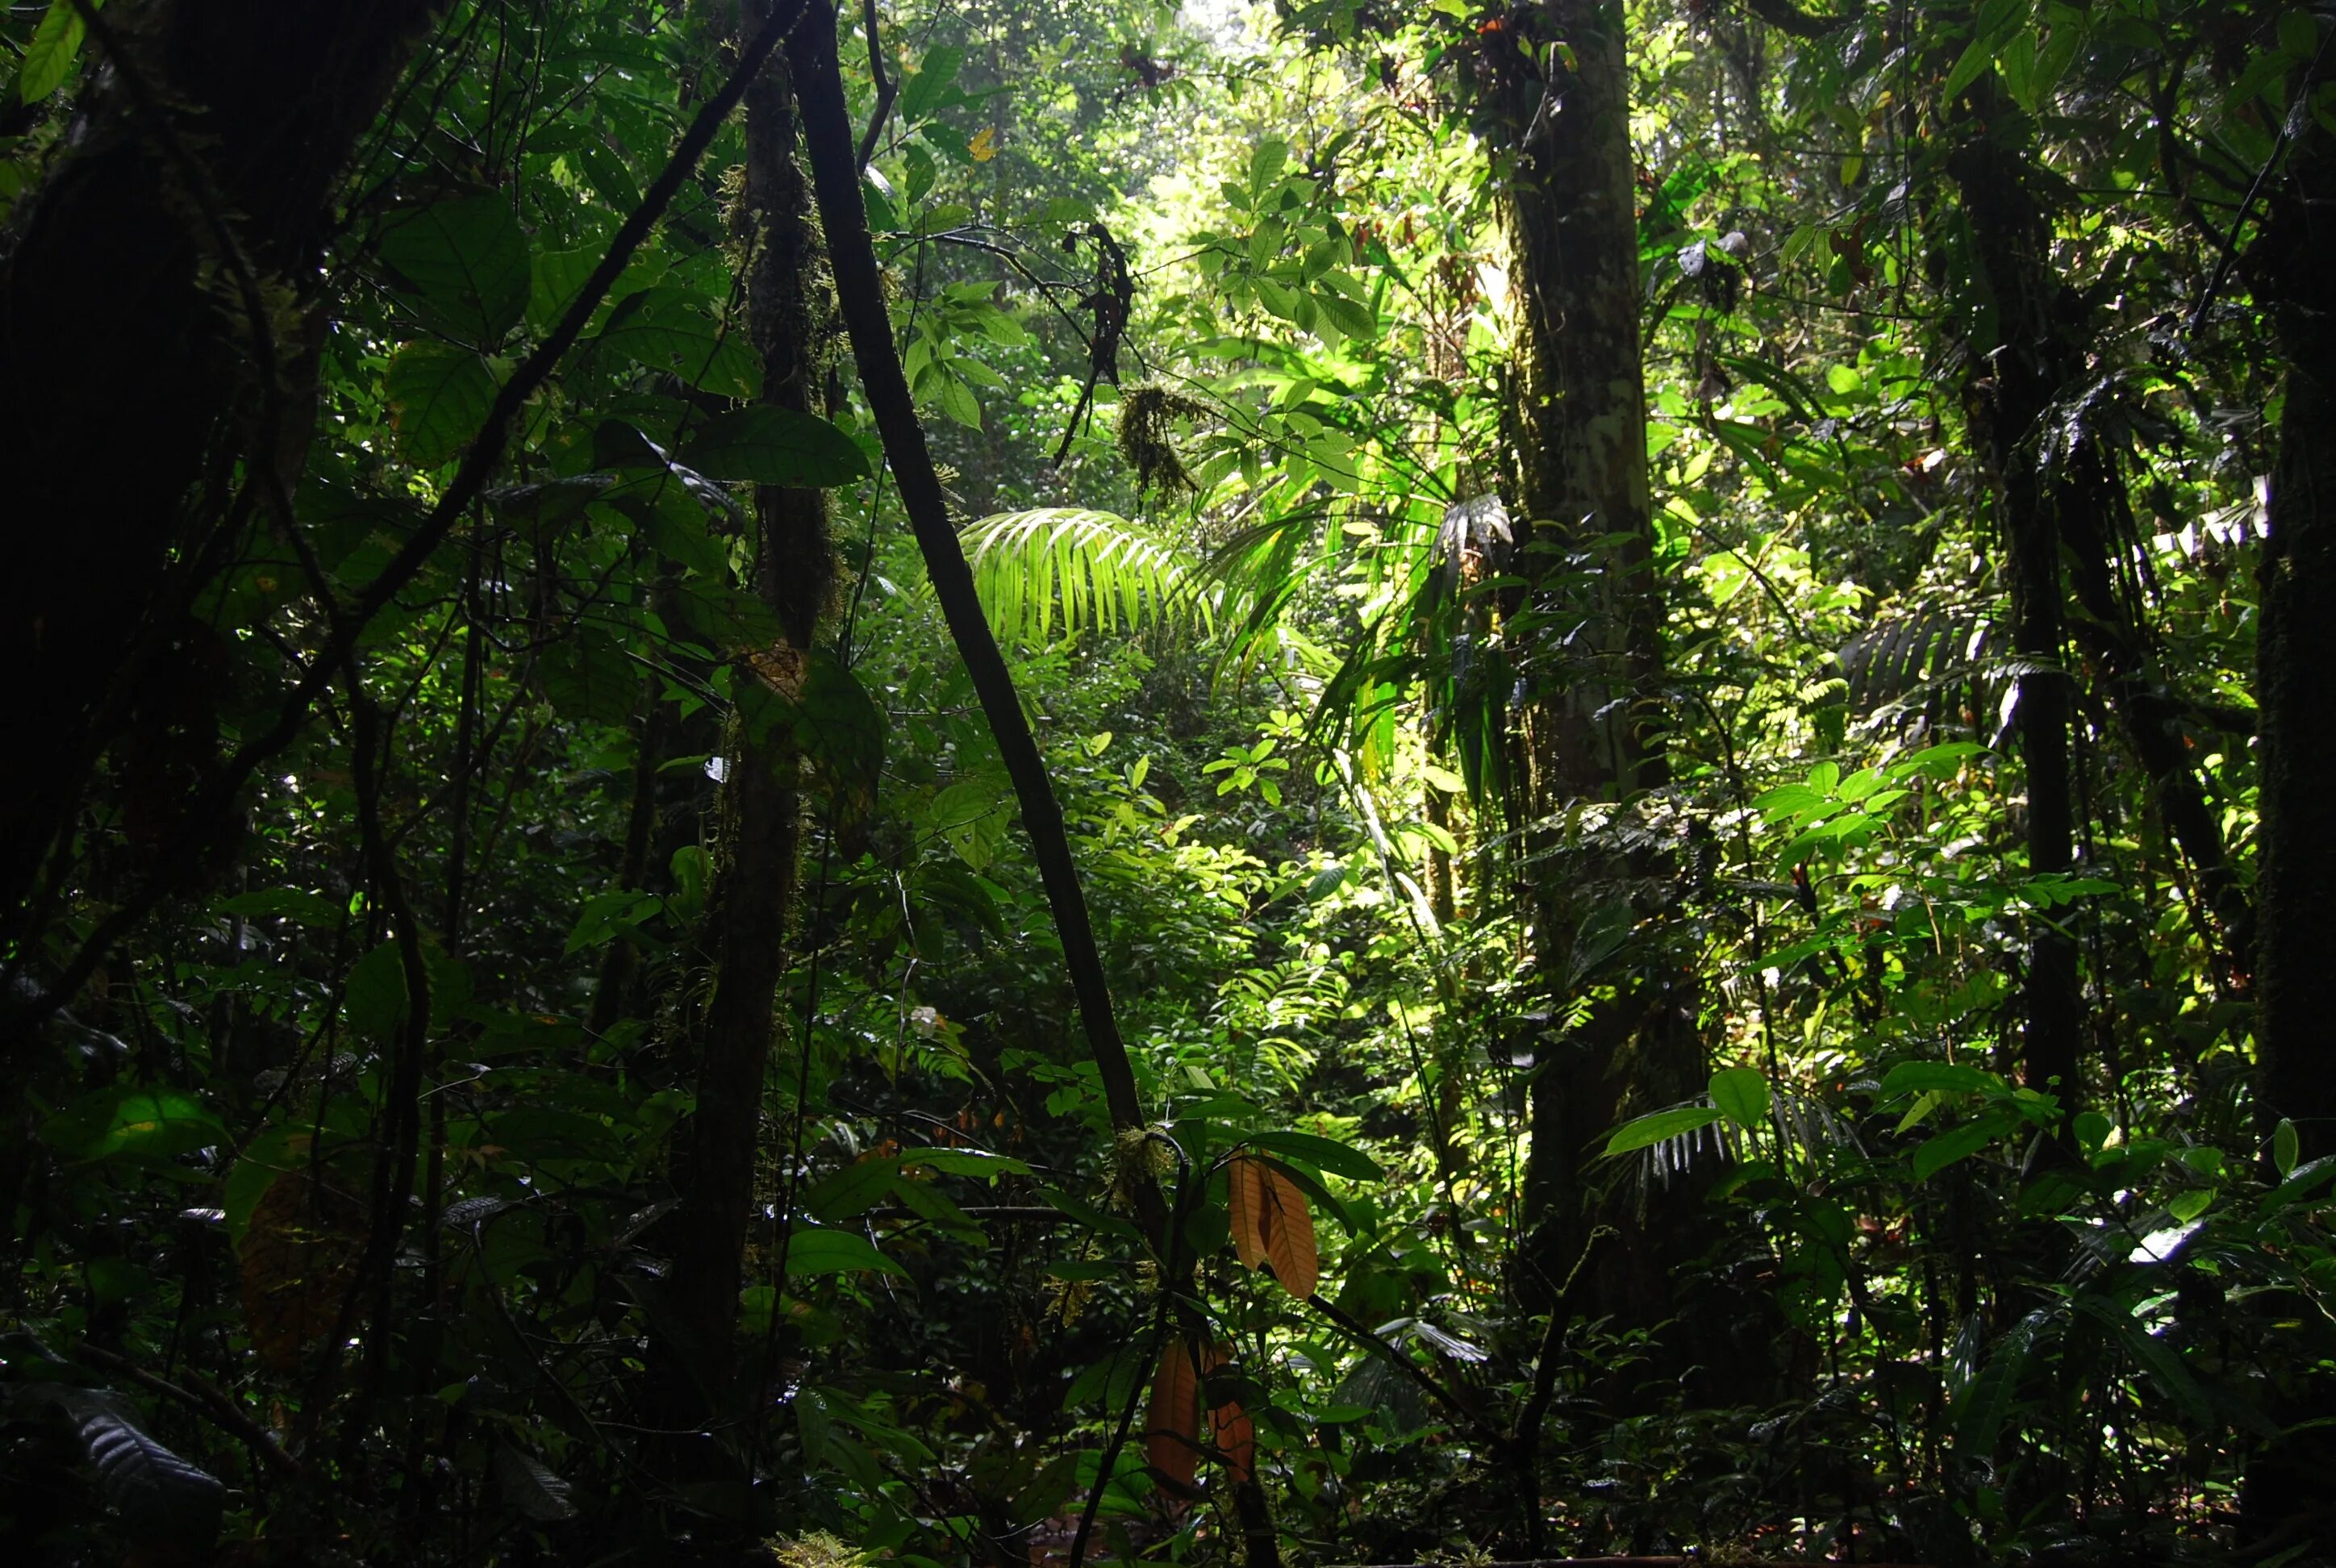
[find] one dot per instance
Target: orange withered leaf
(1172, 1426)
(1289, 1235)
(1245, 1186)
(1231, 1433)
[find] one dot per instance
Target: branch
(1355, 1328)
(211, 808)
(220, 1411)
(859, 288)
(887, 89)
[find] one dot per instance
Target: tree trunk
(2295, 885)
(157, 328)
(1585, 633)
(2015, 337)
(759, 814)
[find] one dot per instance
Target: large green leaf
(462, 263)
(922, 93)
(135, 1124)
(811, 1253)
(971, 816)
(439, 398)
(1935, 1077)
(1338, 1159)
(1742, 1095)
(158, 1495)
(49, 57)
(588, 676)
(1960, 1142)
(1061, 571)
(1660, 1126)
(667, 329)
(771, 445)
(1985, 1402)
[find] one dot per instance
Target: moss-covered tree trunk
(1585, 633)
(759, 816)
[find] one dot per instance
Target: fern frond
(1060, 571)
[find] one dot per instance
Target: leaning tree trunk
(759, 814)
(2295, 883)
(1585, 632)
(2015, 339)
(158, 333)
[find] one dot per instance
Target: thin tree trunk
(759, 814)
(2015, 338)
(860, 298)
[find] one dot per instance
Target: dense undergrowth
(380, 863)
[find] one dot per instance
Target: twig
(1356, 1329)
(220, 1411)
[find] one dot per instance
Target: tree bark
(2295, 883)
(2015, 338)
(155, 308)
(759, 811)
(1585, 634)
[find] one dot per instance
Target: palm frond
(1060, 571)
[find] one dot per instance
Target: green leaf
(958, 402)
(970, 815)
(1961, 1143)
(1741, 1093)
(555, 278)
(375, 1002)
(1977, 56)
(667, 329)
(966, 1163)
(2285, 1148)
(287, 905)
(49, 57)
(1936, 1078)
(588, 676)
(850, 1192)
(2187, 1206)
(157, 1496)
(1646, 1132)
(135, 1124)
(771, 445)
(1338, 1159)
(922, 93)
(1986, 1401)
(811, 1253)
(1266, 161)
(2299, 34)
(1060, 571)
(531, 1486)
(464, 264)
(2155, 1356)
(439, 398)
(842, 729)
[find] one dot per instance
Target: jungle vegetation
(982, 783)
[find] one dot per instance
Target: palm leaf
(1059, 570)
